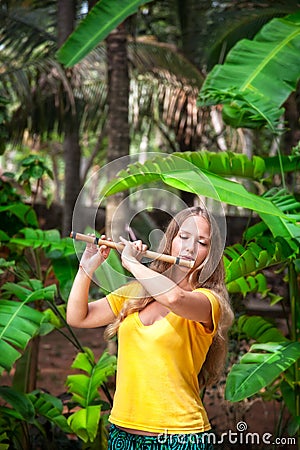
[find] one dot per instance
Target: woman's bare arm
(84, 314)
(80, 312)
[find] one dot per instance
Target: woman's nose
(190, 246)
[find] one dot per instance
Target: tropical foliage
(32, 307)
(244, 84)
(84, 389)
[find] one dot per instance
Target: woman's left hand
(132, 252)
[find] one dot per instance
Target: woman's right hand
(93, 256)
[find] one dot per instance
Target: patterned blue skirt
(121, 440)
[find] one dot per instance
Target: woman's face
(192, 240)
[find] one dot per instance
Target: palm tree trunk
(66, 13)
(66, 10)
(72, 153)
(118, 125)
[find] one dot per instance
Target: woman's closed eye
(200, 241)
(183, 236)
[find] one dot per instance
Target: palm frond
(163, 60)
(166, 84)
(26, 33)
(43, 94)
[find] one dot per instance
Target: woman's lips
(188, 258)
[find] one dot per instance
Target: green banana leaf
(28, 406)
(260, 367)
(49, 240)
(23, 212)
(287, 163)
(19, 323)
(22, 407)
(284, 200)
(228, 164)
(181, 174)
(254, 231)
(291, 207)
(225, 164)
(84, 390)
(288, 204)
(60, 251)
(65, 269)
(103, 18)
(220, 189)
(29, 291)
(260, 329)
(287, 228)
(84, 422)
(51, 408)
(238, 23)
(244, 261)
(249, 284)
(257, 76)
(233, 193)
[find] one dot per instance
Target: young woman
(172, 325)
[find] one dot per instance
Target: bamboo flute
(118, 246)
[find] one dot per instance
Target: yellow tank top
(157, 385)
